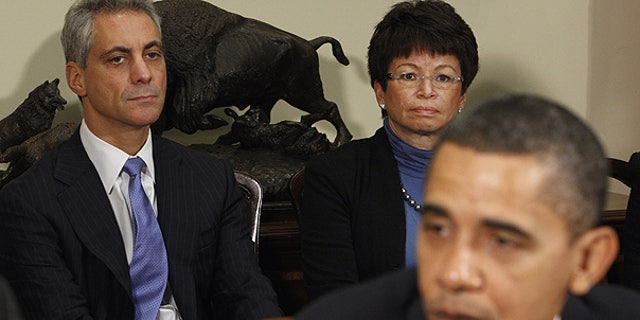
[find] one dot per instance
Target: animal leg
(190, 111)
(210, 121)
(266, 106)
(331, 114)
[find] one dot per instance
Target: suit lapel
(89, 210)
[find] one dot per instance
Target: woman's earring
(382, 106)
(459, 109)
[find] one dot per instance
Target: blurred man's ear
(596, 251)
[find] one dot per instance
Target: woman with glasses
(361, 202)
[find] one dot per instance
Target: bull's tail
(336, 48)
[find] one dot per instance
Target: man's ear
(75, 79)
(596, 251)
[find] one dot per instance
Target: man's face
(123, 85)
(490, 246)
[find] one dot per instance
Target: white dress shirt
(108, 161)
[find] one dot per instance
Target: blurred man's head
(511, 212)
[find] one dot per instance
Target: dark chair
(253, 193)
(629, 174)
(621, 171)
(296, 184)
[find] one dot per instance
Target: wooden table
(280, 255)
(615, 208)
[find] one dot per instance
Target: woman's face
(421, 110)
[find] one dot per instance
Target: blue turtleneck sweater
(412, 165)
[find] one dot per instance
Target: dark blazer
(353, 219)
(395, 296)
(63, 253)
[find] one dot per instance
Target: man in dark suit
(72, 226)
(510, 226)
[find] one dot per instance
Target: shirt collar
(109, 160)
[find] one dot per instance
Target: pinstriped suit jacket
(61, 249)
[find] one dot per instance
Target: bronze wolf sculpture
(218, 59)
(34, 115)
(24, 155)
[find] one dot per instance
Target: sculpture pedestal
(280, 257)
(272, 168)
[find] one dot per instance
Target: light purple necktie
(149, 268)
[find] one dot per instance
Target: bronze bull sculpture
(218, 59)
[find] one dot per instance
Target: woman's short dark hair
(429, 26)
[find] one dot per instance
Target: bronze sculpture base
(272, 168)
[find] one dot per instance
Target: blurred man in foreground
(510, 226)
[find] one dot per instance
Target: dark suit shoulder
(351, 150)
(603, 302)
(353, 156)
(165, 148)
(393, 296)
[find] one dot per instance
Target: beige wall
(613, 88)
(580, 53)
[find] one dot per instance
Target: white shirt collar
(109, 160)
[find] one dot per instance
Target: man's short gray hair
(76, 34)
